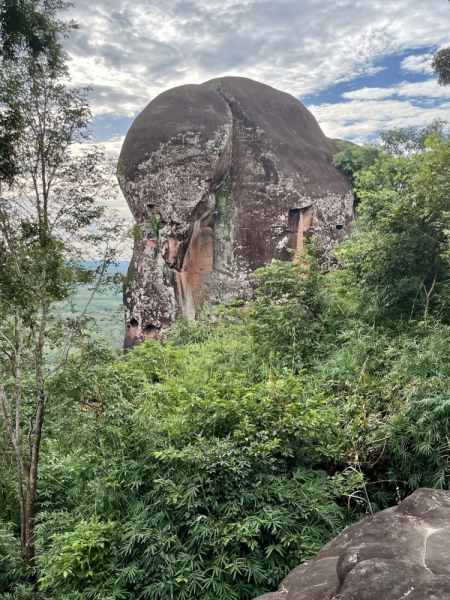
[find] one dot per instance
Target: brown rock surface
(402, 552)
(222, 178)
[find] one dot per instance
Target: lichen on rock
(222, 178)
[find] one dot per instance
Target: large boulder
(401, 552)
(222, 178)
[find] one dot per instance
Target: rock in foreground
(401, 552)
(222, 178)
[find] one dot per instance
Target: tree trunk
(29, 522)
(22, 507)
(428, 296)
(31, 479)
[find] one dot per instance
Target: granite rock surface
(222, 178)
(401, 552)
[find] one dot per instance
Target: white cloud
(131, 51)
(112, 147)
(419, 89)
(417, 64)
(368, 93)
(424, 89)
(357, 120)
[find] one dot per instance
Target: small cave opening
(339, 226)
(149, 331)
(299, 223)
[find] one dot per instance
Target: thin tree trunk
(29, 522)
(32, 473)
(428, 296)
(22, 507)
(32, 484)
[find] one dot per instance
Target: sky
(359, 66)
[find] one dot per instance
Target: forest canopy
(210, 466)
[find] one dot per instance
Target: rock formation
(222, 178)
(401, 552)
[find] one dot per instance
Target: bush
(175, 493)
(12, 568)
(209, 467)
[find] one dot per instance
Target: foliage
(51, 218)
(154, 225)
(32, 27)
(29, 30)
(397, 255)
(404, 141)
(400, 141)
(419, 431)
(441, 65)
(285, 319)
(12, 568)
(208, 493)
(208, 467)
(192, 476)
(352, 158)
(86, 555)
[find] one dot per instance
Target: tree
(404, 141)
(352, 158)
(50, 221)
(31, 28)
(441, 65)
(398, 254)
(400, 141)
(284, 319)
(28, 29)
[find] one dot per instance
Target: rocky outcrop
(401, 552)
(222, 178)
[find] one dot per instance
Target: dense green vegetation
(207, 468)
(52, 220)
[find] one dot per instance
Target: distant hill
(106, 308)
(122, 266)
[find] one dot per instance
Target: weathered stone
(376, 578)
(222, 178)
(292, 578)
(437, 555)
(402, 552)
(437, 589)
